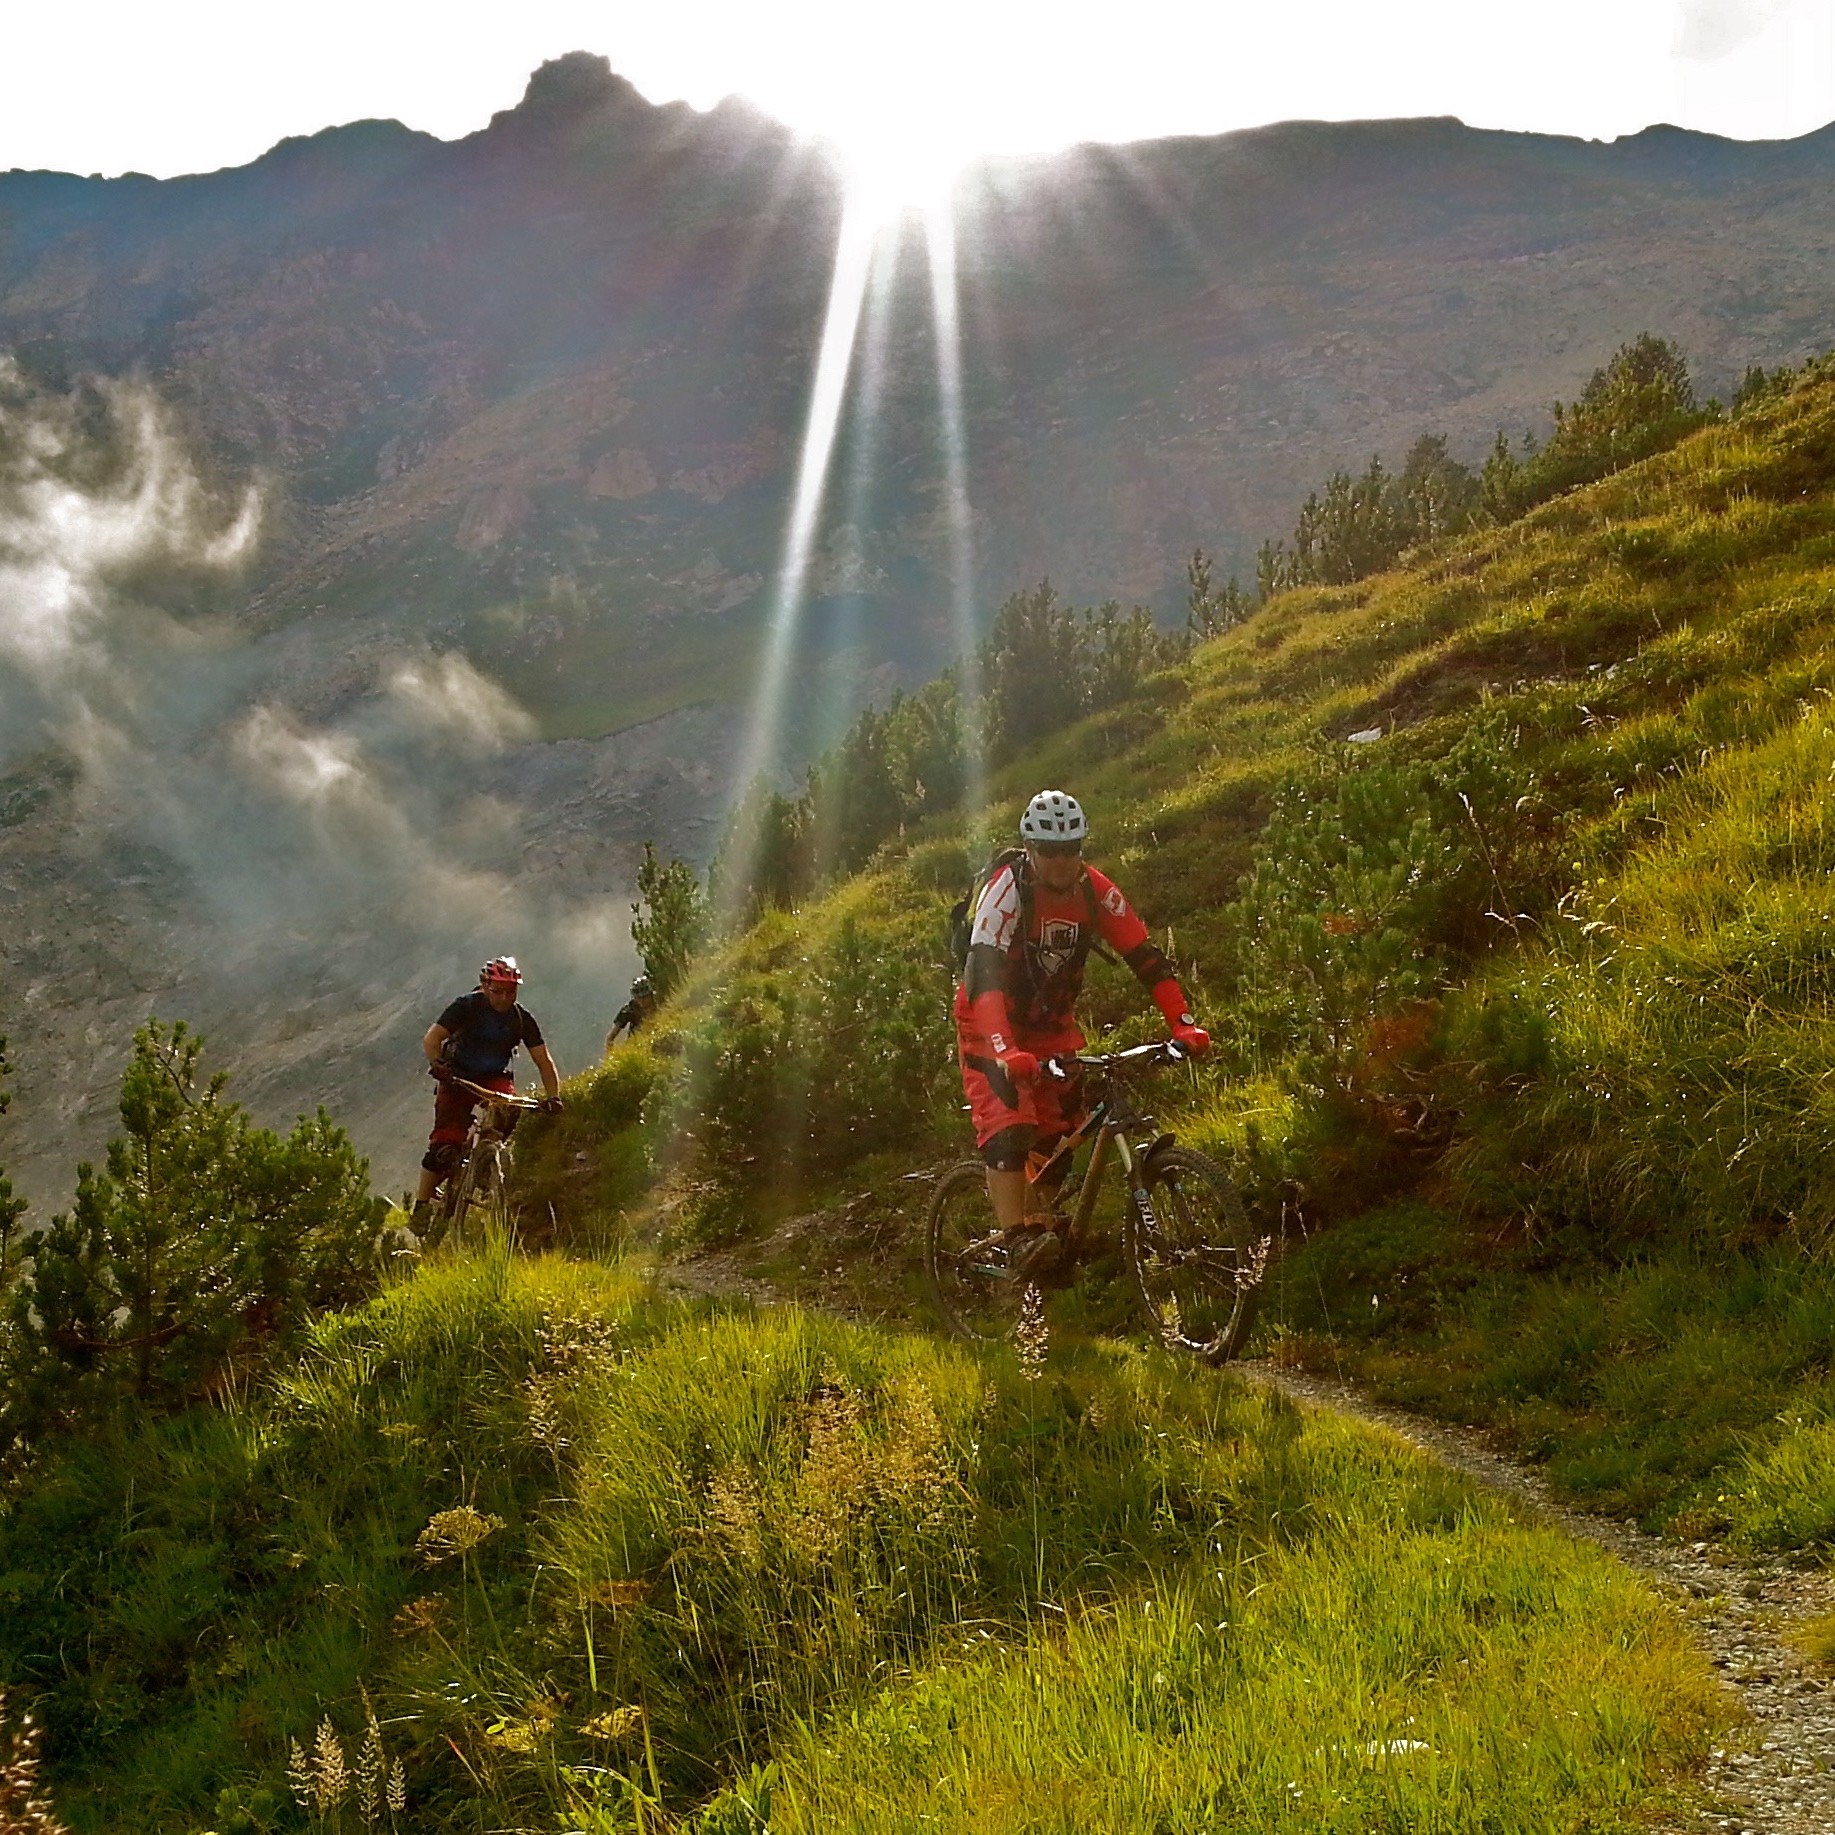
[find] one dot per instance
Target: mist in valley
(302, 841)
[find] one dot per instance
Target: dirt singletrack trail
(1777, 1777)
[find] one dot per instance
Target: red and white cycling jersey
(1039, 975)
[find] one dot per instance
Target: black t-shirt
(483, 1040)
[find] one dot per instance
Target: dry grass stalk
(1032, 1335)
(23, 1811)
(862, 1453)
(576, 1344)
(1172, 1323)
(320, 1779)
(544, 1395)
(575, 1347)
(914, 1468)
(836, 1479)
(323, 1778)
(735, 1513)
(1252, 1270)
(372, 1770)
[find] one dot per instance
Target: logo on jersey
(1057, 945)
(1113, 902)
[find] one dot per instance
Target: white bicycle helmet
(1054, 816)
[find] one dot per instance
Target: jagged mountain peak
(374, 134)
(573, 84)
(580, 96)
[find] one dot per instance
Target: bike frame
(1107, 1123)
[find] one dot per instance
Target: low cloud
(446, 697)
(304, 767)
(80, 508)
(306, 872)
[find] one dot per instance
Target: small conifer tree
(12, 1207)
(203, 1238)
(669, 921)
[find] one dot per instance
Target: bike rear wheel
(967, 1269)
(1197, 1261)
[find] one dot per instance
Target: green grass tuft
(593, 1556)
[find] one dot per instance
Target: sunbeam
(940, 241)
(840, 328)
(864, 439)
(852, 556)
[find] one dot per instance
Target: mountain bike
(480, 1172)
(1196, 1262)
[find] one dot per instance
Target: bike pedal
(1034, 1259)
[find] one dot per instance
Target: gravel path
(1781, 1779)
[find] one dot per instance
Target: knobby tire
(456, 1194)
(976, 1306)
(1197, 1261)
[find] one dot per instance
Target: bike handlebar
(1136, 1057)
(506, 1098)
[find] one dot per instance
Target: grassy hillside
(521, 1547)
(1503, 879)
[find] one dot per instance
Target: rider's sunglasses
(1058, 850)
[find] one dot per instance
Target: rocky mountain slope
(489, 448)
(541, 390)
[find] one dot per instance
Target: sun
(895, 166)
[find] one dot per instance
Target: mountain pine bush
(204, 1240)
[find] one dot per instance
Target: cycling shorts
(1011, 1120)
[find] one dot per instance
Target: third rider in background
(634, 1012)
(1033, 927)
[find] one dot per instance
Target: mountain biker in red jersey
(475, 1038)
(1034, 924)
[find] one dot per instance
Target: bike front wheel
(455, 1199)
(962, 1255)
(1198, 1264)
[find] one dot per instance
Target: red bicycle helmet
(500, 969)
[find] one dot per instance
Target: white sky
(189, 85)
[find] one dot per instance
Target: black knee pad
(440, 1157)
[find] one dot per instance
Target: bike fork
(1136, 1186)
